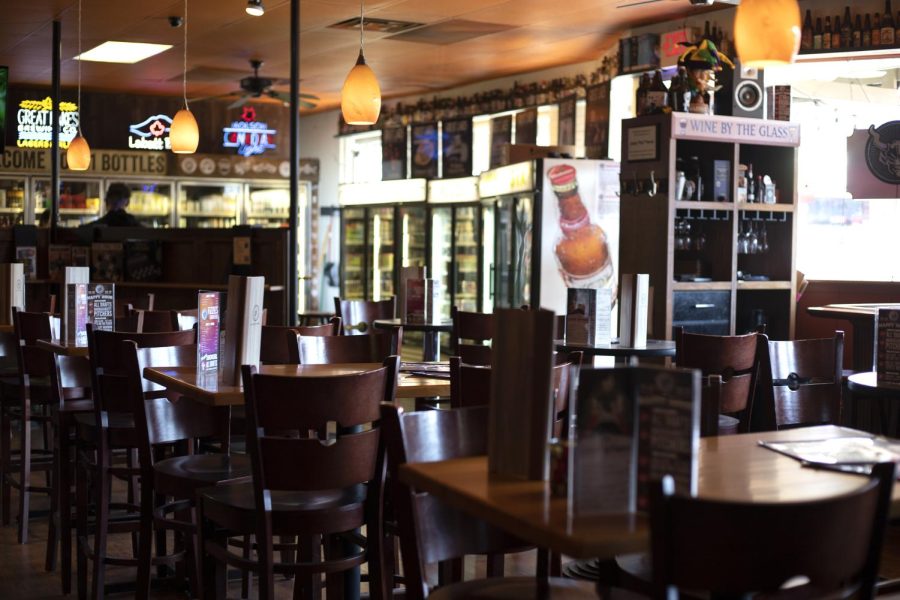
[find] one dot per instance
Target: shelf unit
(704, 274)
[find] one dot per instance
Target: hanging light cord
(362, 23)
(184, 70)
(79, 68)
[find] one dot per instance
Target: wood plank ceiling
(515, 36)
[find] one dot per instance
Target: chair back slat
(70, 377)
(278, 343)
(471, 336)
(803, 384)
(687, 538)
(375, 347)
(148, 321)
(357, 315)
(29, 328)
(734, 357)
(330, 425)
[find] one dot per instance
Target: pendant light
(767, 32)
(361, 95)
(255, 8)
(184, 134)
(78, 155)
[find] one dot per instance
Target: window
(360, 160)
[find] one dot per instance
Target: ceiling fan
(692, 2)
(255, 86)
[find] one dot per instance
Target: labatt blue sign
(248, 135)
(150, 134)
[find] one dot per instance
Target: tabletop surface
(849, 310)
(730, 468)
(868, 381)
(184, 380)
(387, 323)
(62, 347)
(652, 348)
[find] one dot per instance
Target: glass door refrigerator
(152, 203)
(79, 200)
(268, 203)
(556, 226)
(209, 204)
(383, 228)
(12, 201)
(457, 245)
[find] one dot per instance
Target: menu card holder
(407, 273)
(432, 301)
(25, 237)
(243, 325)
(887, 346)
(588, 315)
(12, 290)
(632, 426)
(521, 402)
(101, 306)
(70, 307)
(208, 321)
(634, 305)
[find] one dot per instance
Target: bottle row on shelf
(851, 32)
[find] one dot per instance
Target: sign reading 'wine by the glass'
(686, 126)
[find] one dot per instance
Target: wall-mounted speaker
(743, 93)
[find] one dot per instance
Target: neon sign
(35, 118)
(150, 134)
(248, 135)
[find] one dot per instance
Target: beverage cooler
(456, 250)
(268, 203)
(12, 200)
(556, 226)
(79, 200)
(212, 204)
(152, 203)
(383, 228)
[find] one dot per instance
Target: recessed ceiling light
(122, 52)
(255, 8)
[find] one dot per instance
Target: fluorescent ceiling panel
(122, 52)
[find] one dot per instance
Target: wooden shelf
(267, 216)
(207, 215)
(763, 285)
(701, 285)
(690, 204)
(756, 206)
(78, 211)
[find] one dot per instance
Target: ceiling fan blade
(640, 2)
(309, 96)
(305, 104)
(239, 102)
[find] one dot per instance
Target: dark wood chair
(148, 321)
(278, 343)
(735, 358)
(357, 315)
(293, 421)
(769, 544)
(112, 428)
(159, 422)
(32, 405)
(801, 382)
(70, 386)
(471, 336)
(432, 532)
(375, 347)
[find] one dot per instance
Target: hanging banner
(566, 136)
(596, 121)
(456, 150)
(526, 126)
(393, 153)
(425, 151)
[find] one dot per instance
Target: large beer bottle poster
(596, 122)
(393, 153)
(456, 151)
(425, 151)
(501, 135)
(580, 228)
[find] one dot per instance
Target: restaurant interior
(474, 299)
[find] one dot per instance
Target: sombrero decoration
(704, 55)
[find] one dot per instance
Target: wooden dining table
(63, 348)
(730, 468)
(184, 381)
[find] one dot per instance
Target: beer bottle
(826, 35)
(806, 38)
(846, 29)
(876, 31)
(817, 35)
(887, 26)
(867, 32)
(836, 33)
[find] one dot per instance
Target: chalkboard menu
(526, 126)
(566, 135)
(887, 346)
(101, 305)
(393, 153)
(596, 122)
(456, 151)
(501, 135)
(424, 151)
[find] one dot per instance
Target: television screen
(4, 80)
